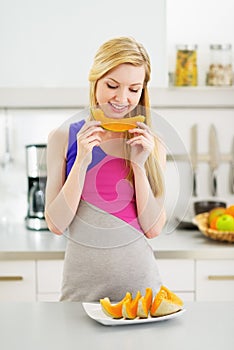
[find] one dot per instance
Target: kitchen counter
(16, 242)
(60, 326)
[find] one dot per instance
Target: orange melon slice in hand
(129, 308)
(144, 304)
(114, 310)
(165, 302)
(114, 124)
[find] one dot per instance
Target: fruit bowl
(201, 220)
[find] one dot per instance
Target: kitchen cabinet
(215, 280)
(17, 281)
(49, 279)
(192, 280)
(32, 280)
(41, 280)
(31, 265)
(179, 276)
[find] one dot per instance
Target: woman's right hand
(88, 137)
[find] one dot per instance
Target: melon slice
(129, 308)
(144, 304)
(114, 310)
(114, 124)
(165, 303)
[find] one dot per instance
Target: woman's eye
(111, 86)
(134, 90)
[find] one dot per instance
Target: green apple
(225, 222)
(215, 212)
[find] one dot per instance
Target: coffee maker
(37, 175)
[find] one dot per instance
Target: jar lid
(186, 47)
(220, 46)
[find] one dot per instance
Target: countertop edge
(76, 97)
(32, 255)
(166, 254)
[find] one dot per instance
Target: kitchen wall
(52, 42)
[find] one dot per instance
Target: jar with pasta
(220, 69)
(186, 65)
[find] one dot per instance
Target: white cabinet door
(215, 280)
(17, 281)
(178, 275)
(49, 279)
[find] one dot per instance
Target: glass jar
(186, 65)
(220, 69)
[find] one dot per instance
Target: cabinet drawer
(17, 281)
(49, 276)
(177, 274)
(215, 280)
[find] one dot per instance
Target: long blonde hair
(110, 55)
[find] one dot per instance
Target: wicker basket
(201, 220)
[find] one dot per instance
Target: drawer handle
(11, 278)
(221, 277)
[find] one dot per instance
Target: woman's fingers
(90, 128)
(90, 140)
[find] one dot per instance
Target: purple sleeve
(72, 144)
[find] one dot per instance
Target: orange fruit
(230, 210)
(213, 223)
(215, 212)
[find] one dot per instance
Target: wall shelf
(74, 97)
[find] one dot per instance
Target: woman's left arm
(151, 212)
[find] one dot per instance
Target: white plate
(94, 311)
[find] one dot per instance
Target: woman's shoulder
(62, 133)
(75, 127)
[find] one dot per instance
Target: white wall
(201, 22)
(52, 42)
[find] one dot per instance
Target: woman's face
(119, 91)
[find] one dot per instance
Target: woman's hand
(142, 143)
(88, 137)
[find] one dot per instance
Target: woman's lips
(118, 108)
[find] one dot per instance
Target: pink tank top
(106, 186)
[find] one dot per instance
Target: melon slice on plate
(114, 310)
(144, 304)
(129, 308)
(165, 303)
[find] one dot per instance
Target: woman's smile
(119, 108)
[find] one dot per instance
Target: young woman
(104, 188)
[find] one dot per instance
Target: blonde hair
(110, 55)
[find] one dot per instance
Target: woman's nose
(122, 95)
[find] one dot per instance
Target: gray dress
(106, 257)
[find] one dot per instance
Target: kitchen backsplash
(28, 126)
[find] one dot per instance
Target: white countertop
(60, 326)
(16, 242)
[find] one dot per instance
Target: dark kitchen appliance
(37, 175)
